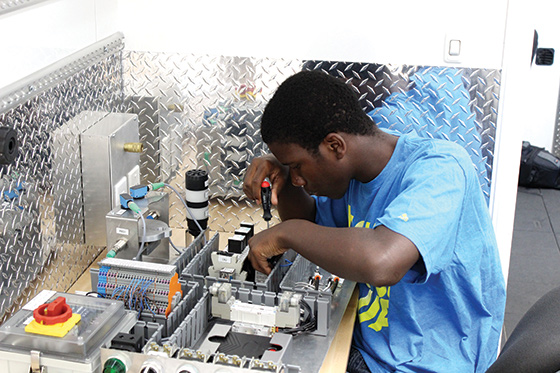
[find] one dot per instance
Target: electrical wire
(174, 247)
(288, 263)
(304, 285)
(136, 295)
(306, 326)
(143, 244)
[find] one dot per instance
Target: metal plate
(214, 121)
(39, 259)
(12, 5)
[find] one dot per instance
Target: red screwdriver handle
(266, 193)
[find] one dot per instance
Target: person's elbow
(381, 271)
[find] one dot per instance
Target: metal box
(107, 170)
(78, 350)
(126, 225)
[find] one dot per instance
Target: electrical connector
(138, 191)
(116, 248)
(156, 186)
(125, 199)
(127, 202)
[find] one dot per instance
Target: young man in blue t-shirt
(402, 216)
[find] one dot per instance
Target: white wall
(542, 83)
(42, 34)
(513, 113)
(398, 31)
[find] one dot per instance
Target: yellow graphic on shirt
(374, 306)
(404, 217)
(375, 312)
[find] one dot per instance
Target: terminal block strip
(142, 286)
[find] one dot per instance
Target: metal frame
(40, 81)
(7, 6)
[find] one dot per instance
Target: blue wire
(119, 289)
(144, 291)
(129, 291)
(286, 265)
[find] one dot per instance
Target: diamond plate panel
(209, 109)
(456, 104)
(32, 255)
(212, 106)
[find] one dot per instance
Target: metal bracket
(35, 366)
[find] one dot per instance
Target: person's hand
(259, 169)
(264, 245)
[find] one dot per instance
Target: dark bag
(539, 168)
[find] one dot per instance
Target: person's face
(319, 174)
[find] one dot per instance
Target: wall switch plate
(453, 49)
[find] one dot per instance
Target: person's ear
(336, 144)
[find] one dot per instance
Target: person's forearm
(295, 203)
(357, 254)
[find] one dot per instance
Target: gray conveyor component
(155, 231)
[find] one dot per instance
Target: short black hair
(308, 106)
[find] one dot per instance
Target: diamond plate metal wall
(456, 104)
(208, 113)
(211, 107)
(32, 256)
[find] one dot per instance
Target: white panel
(119, 188)
(39, 35)
(133, 178)
(542, 82)
(400, 31)
(513, 115)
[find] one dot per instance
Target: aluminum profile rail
(7, 6)
(40, 81)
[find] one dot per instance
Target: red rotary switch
(53, 313)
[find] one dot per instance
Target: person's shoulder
(443, 153)
(435, 146)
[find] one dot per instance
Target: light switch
(454, 47)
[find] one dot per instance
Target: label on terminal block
(224, 259)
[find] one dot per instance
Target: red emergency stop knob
(53, 313)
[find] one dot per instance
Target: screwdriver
(266, 193)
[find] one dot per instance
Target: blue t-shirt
(445, 315)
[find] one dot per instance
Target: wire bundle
(136, 295)
(307, 325)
